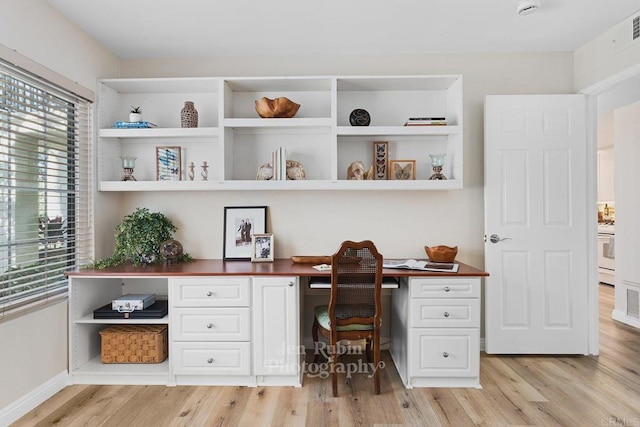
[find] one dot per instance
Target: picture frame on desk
(168, 163)
(262, 247)
(240, 224)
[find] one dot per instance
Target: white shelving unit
(235, 141)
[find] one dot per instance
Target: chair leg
(314, 336)
(376, 361)
(333, 356)
(368, 349)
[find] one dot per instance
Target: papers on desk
(322, 267)
(412, 264)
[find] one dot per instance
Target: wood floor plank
(517, 390)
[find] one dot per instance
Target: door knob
(494, 238)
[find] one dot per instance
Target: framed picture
(380, 160)
(402, 169)
(262, 247)
(240, 224)
(168, 164)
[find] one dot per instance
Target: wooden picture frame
(168, 163)
(240, 223)
(380, 160)
(402, 170)
(262, 247)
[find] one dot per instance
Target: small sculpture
(191, 171)
(295, 171)
(279, 107)
(356, 171)
(204, 173)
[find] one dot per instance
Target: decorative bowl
(279, 107)
(441, 253)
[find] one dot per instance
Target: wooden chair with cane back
(354, 310)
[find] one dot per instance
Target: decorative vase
(189, 115)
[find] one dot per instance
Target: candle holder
(191, 171)
(437, 161)
(128, 165)
(205, 172)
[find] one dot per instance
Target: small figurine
(191, 172)
(356, 171)
(204, 173)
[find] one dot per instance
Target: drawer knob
(210, 360)
(445, 354)
(209, 325)
(447, 289)
(446, 314)
(290, 283)
(209, 294)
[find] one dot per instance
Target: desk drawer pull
(446, 314)
(447, 289)
(209, 325)
(445, 354)
(210, 360)
(209, 294)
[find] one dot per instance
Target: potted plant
(135, 115)
(139, 238)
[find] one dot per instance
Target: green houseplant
(138, 239)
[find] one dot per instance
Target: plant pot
(135, 117)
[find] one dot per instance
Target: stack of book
(134, 125)
(279, 162)
(426, 121)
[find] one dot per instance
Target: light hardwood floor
(517, 390)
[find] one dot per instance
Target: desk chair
(354, 310)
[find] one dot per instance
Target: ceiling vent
(526, 7)
(626, 33)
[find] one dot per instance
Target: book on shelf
(134, 125)
(426, 121)
(412, 264)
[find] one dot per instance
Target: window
(45, 205)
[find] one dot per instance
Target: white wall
(34, 346)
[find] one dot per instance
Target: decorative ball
(171, 249)
(359, 117)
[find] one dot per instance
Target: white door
(536, 225)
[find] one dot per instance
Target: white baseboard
(621, 316)
(29, 401)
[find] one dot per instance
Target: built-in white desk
(238, 323)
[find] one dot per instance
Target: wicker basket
(134, 344)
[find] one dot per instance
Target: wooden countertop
(279, 267)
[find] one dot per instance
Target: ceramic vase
(189, 115)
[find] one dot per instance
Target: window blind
(45, 194)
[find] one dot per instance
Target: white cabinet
(436, 332)
(276, 327)
(210, 330)
(606, 175)
(235, 141)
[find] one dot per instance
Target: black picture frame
(240, 223)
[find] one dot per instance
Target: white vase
(135, 117)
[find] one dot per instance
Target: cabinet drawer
(441, 312)
(210, 292)
(444, 352)
(211, 324)
(444, 288)
(211, 358)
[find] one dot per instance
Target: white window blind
(45, 194)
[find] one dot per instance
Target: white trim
(609, 82)
(21, 61)
(31, 400)
(622, 317)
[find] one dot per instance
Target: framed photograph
(240, 224)
(168, 164)
(402, 169)
(380, 160)
(262, 247)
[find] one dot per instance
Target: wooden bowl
(279, 107)
(441, 253)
